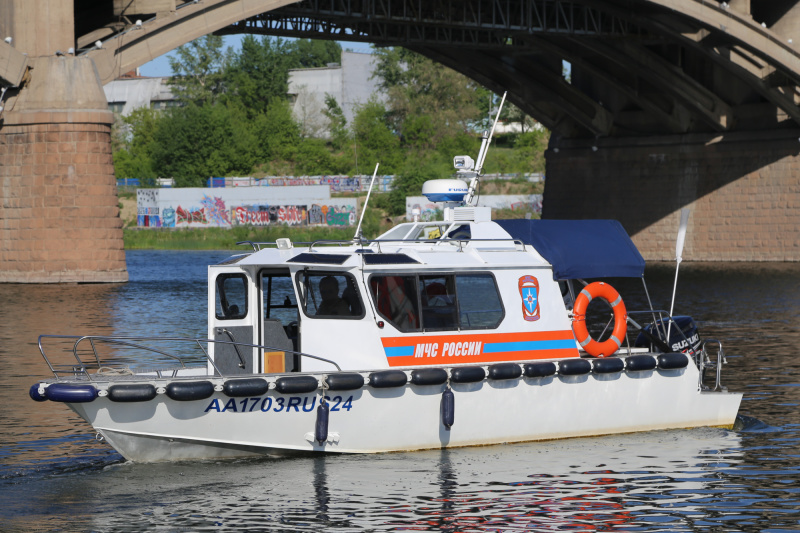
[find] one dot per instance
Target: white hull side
(409, 418)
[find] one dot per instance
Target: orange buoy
(598, 289)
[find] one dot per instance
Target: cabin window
(431, 232)
(396, 298)
(231, 297)
(439, 309)
(278, 297)
(438, 302)
(329, 295)
(479, 303)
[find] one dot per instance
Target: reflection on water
(586, 484)
(54, 476)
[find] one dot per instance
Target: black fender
(186, 391)
(574, 367)
(133, 392)
(296, 384)
(387, 378)
(670, 361)
(608, 365)
(344, 381)
(240, 388)
(539, 370)
(429, 376)
(505, 371)
(467, 374)
(637, 363)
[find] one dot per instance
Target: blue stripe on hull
(528, 346)
(400, 351)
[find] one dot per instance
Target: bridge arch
(141, 43)
(634, 63)
(692, 102)
(670, 103)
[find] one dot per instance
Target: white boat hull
(370, 420)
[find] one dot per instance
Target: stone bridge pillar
(743, 189)
(59, 215)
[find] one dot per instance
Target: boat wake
(750, 424)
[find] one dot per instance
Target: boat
(462, 331)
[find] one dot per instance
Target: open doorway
(280, 327)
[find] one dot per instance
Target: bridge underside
(667, 103)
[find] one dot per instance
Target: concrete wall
(350, 83)
(531, 203)
(38, 27)
(255, 206)
(743, 189)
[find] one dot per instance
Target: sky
(160, 65)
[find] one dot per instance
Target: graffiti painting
(216, 213)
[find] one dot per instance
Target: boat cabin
(466, 290)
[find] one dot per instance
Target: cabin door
(280, 326)
(232, 322)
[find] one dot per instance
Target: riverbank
(225, 238)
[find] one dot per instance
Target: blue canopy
(580, 248)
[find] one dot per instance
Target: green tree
(314, 158)
(197, 142)
(419, 87)
(134, 143)
(340, 135)
(260, 73)
(514, 114)
(375, 141)
(277, 133)
(530, 147)
(198, 70)
(408, 183)
(311, 54)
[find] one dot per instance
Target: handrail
(707, 363)
(235, 346)
(257, 246)
(125, 341)
(460, 242)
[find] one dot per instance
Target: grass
(223, 238)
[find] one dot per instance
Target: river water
(54, 476)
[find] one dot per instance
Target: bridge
(665, 104)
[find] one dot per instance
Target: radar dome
(445, 190)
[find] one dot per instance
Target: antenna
(485, 142)
(485, 145)
(678, 257)
(357, 236)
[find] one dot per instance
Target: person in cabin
(331, 304)
(440, 307)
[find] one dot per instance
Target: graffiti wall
(193, 208)
(518, 202)
(334, 183)
(147, 210)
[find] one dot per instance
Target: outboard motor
(684, 338)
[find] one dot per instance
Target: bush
(197, 142)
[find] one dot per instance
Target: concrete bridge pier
(59, 216)
(743, 189)
(59, 220)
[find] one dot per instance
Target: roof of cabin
(580, 248)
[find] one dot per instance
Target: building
(350, 83)
(133, 91)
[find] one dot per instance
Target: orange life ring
(598, 289)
